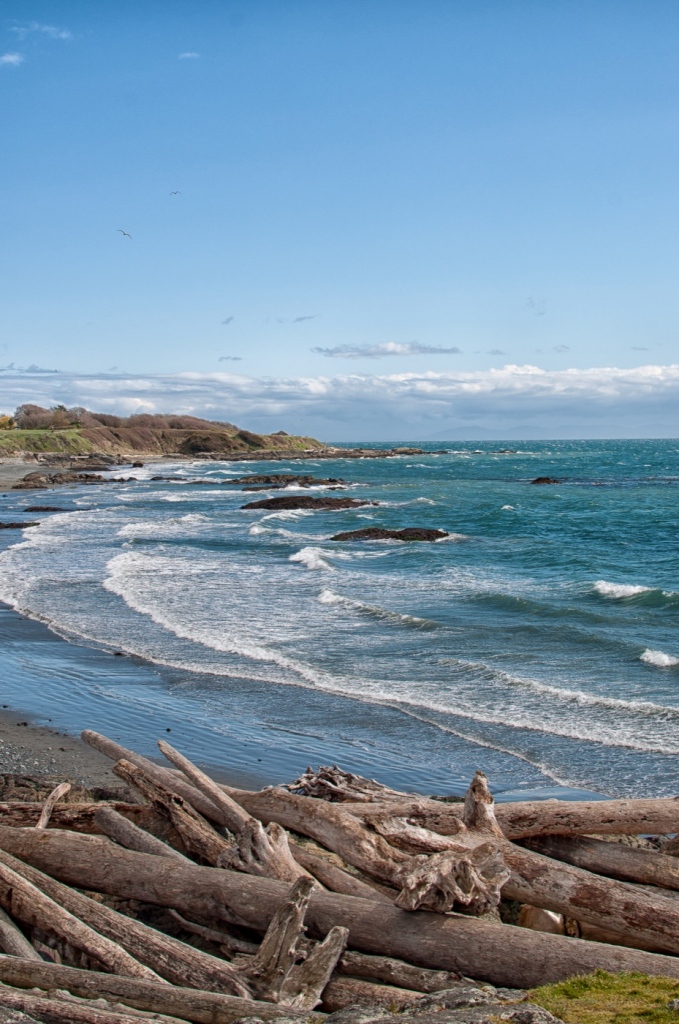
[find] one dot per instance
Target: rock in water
(377, 533)
(303, 501)
(545, 480)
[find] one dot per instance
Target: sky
(358, 219)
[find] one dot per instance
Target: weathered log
(129, 835)
(163, 955)
(485, 950)
(198, 836)
(654, 816)
(273, 972)
(225, 940)
(395, 972)
(306, 981)
(603, 902)
(258, 851)
(26, 902)
(162, 776)
(13, 940)
(468, 873)
(77, 816)
(335, 878)
(189, 1004)
(331, 783)
(61, 790)
(611, 859)
(67, 1011)
(344, 991)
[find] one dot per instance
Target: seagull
(124, 233)
(175, 193)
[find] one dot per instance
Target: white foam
(329, 597)
(508, 508)
(659, 659)
(312, 558)
(616, 591)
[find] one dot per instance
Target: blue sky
(374, 196)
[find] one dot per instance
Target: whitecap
(329, 597)
(658, 658)
(312, 558)
(508, 508)
(619, 590)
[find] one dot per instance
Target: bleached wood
(61, 790)
(344, 991)
(163, 955)
(129, 835)
(190, 1004)
(612, 859)
(396, 972)
(52, 1010)
(27, 903)
(335, 878)
(479, 948)
(13, 940)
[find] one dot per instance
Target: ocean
(537, 642)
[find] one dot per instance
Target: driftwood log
(335, 878)
(344, 991)
(27, 903)
(61, 790)
(189, 1004)
(603, 902)
(13, 940)
(163, 955)
(613, 859)
(258, 851)
(114, 825)
(451, 943)
(52, 1010)
(396, 972)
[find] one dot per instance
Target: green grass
(14, 442)
(603, 998)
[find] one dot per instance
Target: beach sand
(28, 749)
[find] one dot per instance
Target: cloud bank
(386, 349)
(11, 59)
(508, 402)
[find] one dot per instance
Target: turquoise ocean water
(538, 642)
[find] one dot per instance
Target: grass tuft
(603, 998)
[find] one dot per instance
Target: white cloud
(11, 59)
(48, 30)
(189, 55)
(509, 402)
(383, 351)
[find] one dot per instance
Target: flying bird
(175, 193)
(124, 233)
(228, 320)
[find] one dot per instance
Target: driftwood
(61, 790)
(396, 972)
(25, 902)
(13, 940)
(273, 973)
(77, 816)
(67, 1011)
(198, 836)
(129, 835)
(612, 859)
(225, 940)
(164, 956)
(602, 902)
(344, 991)
(156, 773)
(189, 1004)
(473, 947)
(468, 873)
(335, 878)
(258, 851)
(656, 816)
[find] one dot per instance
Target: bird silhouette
(175, 193)
(124, 233)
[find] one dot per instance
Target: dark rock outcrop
(303, 501)
(283, 480)
(545, 480)
(39, 481)
(47, 508)
(378, 533)
(16, 526)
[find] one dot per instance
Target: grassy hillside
(137, 440)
